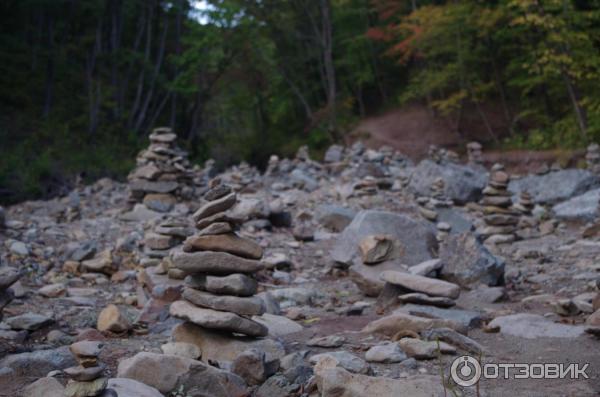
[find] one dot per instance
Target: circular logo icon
(465, 371)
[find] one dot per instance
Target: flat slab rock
(278, 325)
(346, 360)
(394, 323)
(220, 347)
(429, 286)
(220, 263)
(28, 321)
(233, 284)
(531, 326)
(467, 318)
(214, 319)
(215, 206)
(230, 243)
(423, 299)
(249, 306)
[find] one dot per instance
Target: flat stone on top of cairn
(220, 287)
(162, 173)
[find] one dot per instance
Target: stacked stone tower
(474, 153)
(162, 174)
(220, 286)
(86, 379)
(592, 158)
(499, 217)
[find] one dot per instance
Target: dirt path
(410, 129)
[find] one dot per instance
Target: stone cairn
(220, 287)
(592, 158)
(499, 217)
(441, 155)
(86, 379)
(159, 242)
(436, 199)
(474, 153)
(162, 174)
(525, 204)
(8, 276)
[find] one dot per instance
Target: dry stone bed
(314, 279)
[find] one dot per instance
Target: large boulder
(414, 242)
(467, 261)
(533, 326)
(416, 238)
(38, 363)
(335, 381)
(583, 207)
(167, 373)
(555, 186)
(462, 183)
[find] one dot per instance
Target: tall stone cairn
(162, 174)
(86, 379)
(474, 153)
(592, 158)
(220, 286)
(499, 217)
(8, 276)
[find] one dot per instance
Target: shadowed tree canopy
(82, 82)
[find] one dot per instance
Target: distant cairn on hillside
(163, 173)
(592, 158)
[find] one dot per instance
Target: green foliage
(82, 83)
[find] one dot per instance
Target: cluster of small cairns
(159, 242)
(243, 178)
(474, 153)
(441, 155)
(500, 217)
(8, 276)
(437, 199)
(86, 379)
(592, 158)
(220, 287)
(163, 173)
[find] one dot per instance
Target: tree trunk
(49, 85)
(327, 35)
(580, 113)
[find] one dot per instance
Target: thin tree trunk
(329, 67)
(580, 113)
(49, 85)
(174, 97)
(157, 66)
(140, 86)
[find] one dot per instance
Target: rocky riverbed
(364, 274)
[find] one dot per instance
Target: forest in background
(82, 82)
